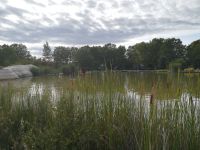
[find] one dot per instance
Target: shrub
(69, 69)
(44, 71)
(36, 71)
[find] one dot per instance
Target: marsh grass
(94, 112)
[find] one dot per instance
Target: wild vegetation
(101, 111)
(95, 112)
(155, 54)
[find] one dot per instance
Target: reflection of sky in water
(18, 83)
(39, 89)
(131, 83)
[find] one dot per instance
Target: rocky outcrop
(16, 71)
(7, 74)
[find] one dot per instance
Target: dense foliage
(155, 54)
(194, 54)
(14, 54)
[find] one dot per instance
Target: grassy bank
(88, 115)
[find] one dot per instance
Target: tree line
(14, 54)
(159, 53)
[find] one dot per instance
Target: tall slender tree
(47, 54)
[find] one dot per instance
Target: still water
(141, 85)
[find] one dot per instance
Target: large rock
(7, 74)
(16, 71)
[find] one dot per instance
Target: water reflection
(18, 83)
(175, 87)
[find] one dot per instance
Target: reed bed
(96, 114)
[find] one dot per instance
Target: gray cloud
(91, 4)
(95, 22)
(10, 10)
(36, 3)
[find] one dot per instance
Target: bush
(44, 71)
(48, 70)
(36, 71)
(69, 69)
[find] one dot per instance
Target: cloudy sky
(96, 22)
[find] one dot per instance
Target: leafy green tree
(73, 53)
(47, 54)
(8, 55)
(120, 60)
(139, 55)
(170, 50)
(108, 55)
(21, 51)
(84, 58)
(61, 55)
(193, 54)
(156, 54)
(98, 58)
(22, 54)
(133, 57)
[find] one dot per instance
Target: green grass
(96, 114)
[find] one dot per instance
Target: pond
(101, 110)
(163, 86)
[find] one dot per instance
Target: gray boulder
(6, 74)
(16, 71)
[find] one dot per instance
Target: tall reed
(95, 114)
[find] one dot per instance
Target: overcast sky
(96, 22)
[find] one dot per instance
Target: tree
(170, 50)
(7, 55)
(47, 52)
(154, 55)
(139, 55)
(97, 54)
(119, 60)
(61, 55)
(193, 54)
(108, 55)
(74, 50)
(85, 58)
(133, 57)
(21, 52)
